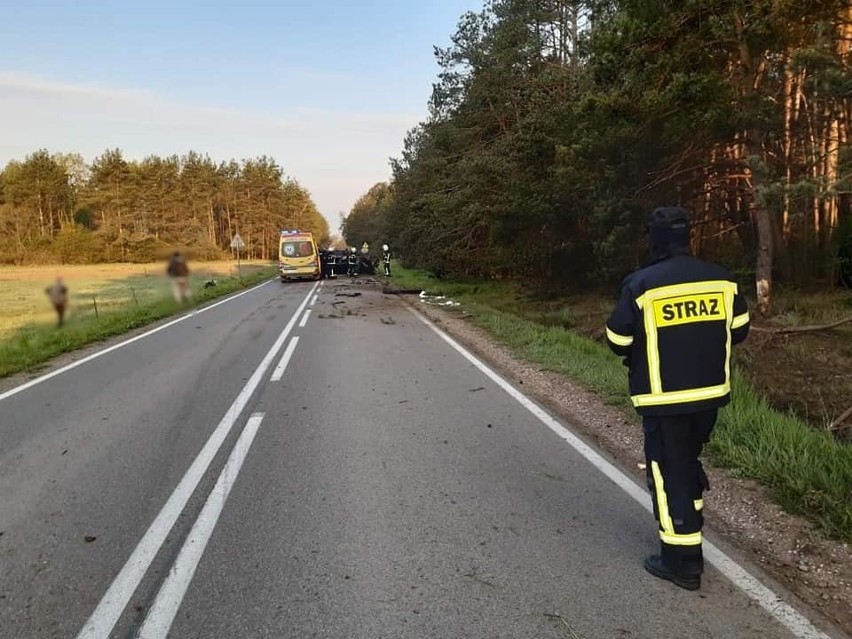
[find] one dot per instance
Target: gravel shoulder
(788, 549)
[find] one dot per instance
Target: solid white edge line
(783, 612)
(89, 358)
(305, 317)
(162, 613)
(113, 603)
(278, 373)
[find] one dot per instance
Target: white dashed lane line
(114, 601)
(278, 373)
(169, 598)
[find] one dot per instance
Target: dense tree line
(58, 208)
(556, 125)
(366, 222)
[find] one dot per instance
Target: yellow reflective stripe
(689, 288)
(740, 320)
(655, 377)
(662, 500)
(680, 397)
(618, 340)
(673, 539)
(668, 534)
(645, 302)
(699, 504)
(729, 308)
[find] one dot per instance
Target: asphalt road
(251, 471)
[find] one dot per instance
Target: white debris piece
(437, 300)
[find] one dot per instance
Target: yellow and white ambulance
(298, 257)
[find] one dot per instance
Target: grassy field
(806, 470)
(104, 300)
(23, 300)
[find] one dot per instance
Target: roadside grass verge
(806, 471)
(27, 347)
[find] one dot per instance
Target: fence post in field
(95, 301)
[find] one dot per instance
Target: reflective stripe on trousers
(676, 478)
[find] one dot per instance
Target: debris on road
(437, 300)
(389, 290)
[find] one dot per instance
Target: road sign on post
(237, 244)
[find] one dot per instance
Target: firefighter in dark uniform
(675, 324)
(386, 258)
(352, 262)
(326, 269)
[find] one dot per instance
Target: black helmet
(668, 232)
(669, 217)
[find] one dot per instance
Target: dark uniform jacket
(675, 324)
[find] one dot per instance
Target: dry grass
(127, 297)
(23, 300)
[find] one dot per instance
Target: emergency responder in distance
(386, 258)
(58, 294)
(178, 272)
(352, 261)
(674, 325)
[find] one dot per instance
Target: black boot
(659, 568)
(687, 560)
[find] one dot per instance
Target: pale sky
(328, 89)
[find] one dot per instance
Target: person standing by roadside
(352, 261)
(58, 294)
(178, 271)
(674, 324)
(386, 258)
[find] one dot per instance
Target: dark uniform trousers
(677, 482)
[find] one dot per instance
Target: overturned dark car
(340, 263)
